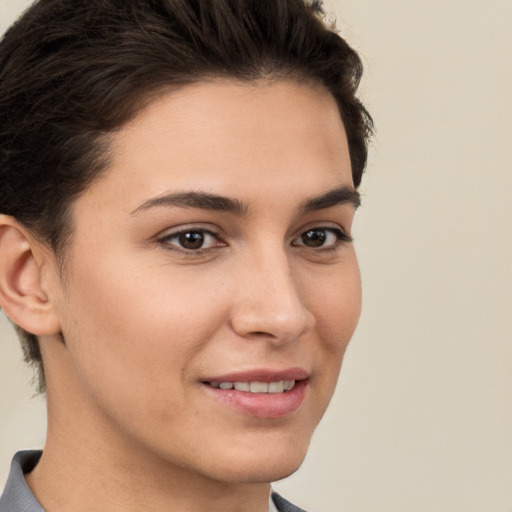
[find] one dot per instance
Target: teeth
(276, 387)
(256, 387)
(259, 387)
(242, 386)
(289, 384)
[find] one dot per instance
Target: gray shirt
(17, 496)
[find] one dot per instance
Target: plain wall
(422, 417)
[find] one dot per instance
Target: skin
(138, 321)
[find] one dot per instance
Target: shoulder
(283, 505)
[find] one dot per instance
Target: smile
(281, 386)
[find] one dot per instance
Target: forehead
(231, 138)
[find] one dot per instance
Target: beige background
(422, 418)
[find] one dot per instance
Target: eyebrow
(338, 196)
(201, 200)
(206, 201)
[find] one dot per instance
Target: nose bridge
(271, 303)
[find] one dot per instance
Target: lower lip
(262, 405)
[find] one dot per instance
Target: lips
(260, 393)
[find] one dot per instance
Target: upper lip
(261, 375)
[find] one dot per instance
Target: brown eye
(322, 238)
(191, 240)
(314, 237)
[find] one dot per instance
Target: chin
(270, 475)
(263, 468)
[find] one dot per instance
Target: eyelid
(339, 232)
(168, 234)
(184, 228)
(165, 237)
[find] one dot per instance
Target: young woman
(179, 180)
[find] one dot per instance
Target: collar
(17, 496)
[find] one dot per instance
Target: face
(211, 286)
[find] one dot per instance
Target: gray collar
(17, 497)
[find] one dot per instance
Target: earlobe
(23, 288)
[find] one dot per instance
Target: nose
(270, 303)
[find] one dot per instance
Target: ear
(25, 268)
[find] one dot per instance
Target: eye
(192, 240)
(316, 238)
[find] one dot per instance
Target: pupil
(191, 239)
(314, 237)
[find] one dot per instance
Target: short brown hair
(73, 71)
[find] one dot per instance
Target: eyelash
(166, 240)
(340, 235)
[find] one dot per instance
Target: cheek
(134, 327)
(133, 347)
(337, 310)
(337, 306)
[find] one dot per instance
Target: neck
(75, 477)
(87, 467)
